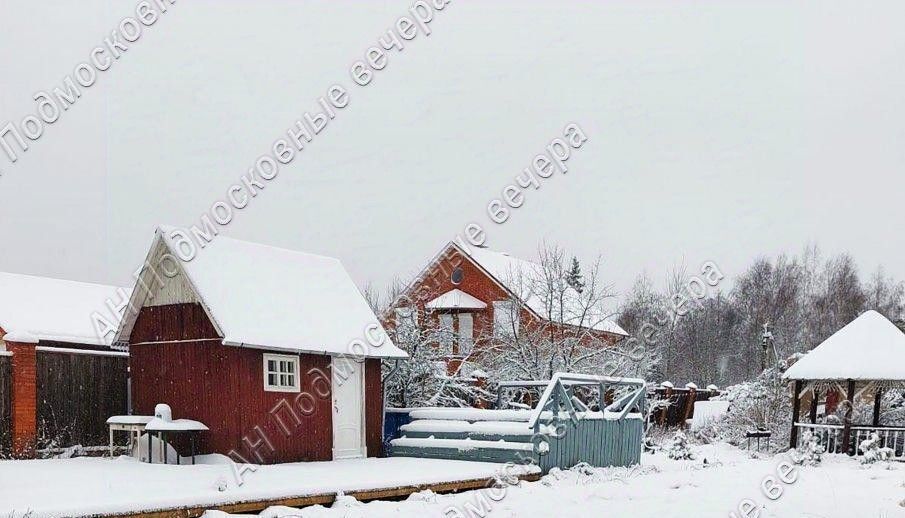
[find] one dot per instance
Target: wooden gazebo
(862, 360)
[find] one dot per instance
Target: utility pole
(768, 346)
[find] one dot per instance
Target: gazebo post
(847, 426)
(878, 397)
(815, 395)
(795, 410)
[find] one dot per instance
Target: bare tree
(550, 325)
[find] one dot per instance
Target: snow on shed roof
(55, 309)
(272, 298)
(455, 299)
(524, 279)
(867, 348)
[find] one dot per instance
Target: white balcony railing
(831, 437)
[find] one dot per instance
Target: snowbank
(80, 486)
(661, 488)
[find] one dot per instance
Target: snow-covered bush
(422, 379)
(872, 451)
(678, 448)
(809, 452)
(892, 409)
(764, 402)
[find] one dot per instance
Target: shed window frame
(285, 373)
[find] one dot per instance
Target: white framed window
(466, 333)
(505, 319)
(446, 331)
(281, 373)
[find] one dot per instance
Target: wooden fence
(6, 387)
(681, 405)
(77, 392)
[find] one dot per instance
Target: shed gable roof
(271, 298)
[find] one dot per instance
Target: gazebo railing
(830, 437)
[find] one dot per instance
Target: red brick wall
(24, 398)
(437, 280)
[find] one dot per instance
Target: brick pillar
(481, 383)
(24, 398)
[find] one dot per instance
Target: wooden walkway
(325, 499)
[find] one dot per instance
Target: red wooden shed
(276, 351)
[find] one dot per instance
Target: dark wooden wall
(373, 408)
(223, 387)
(76, 395)
(6, 387)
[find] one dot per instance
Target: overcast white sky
(717, 130)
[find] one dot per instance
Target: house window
(446, 331)
(466, 333)
(505, 319)
(281, 373)
(457, 276)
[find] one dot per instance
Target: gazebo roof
(868, 348)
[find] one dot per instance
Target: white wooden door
(348, 409)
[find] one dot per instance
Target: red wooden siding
(223, 387)
(373, 408)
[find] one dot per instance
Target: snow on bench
(504, 428)
(470, 414)
(437, 425)
(479, 427)
(461, 444)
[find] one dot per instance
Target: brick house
(59, 379)
(476, 294)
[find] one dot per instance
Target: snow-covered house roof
(867, 348)
(524, 279)
(271, 298)
(455, 299)
(58, 310)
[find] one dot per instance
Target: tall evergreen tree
(574, 277)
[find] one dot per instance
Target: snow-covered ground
(660, 488)
(84, 486)
(840, 488)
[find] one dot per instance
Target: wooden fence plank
(76, 394)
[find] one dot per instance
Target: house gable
(481, 282)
